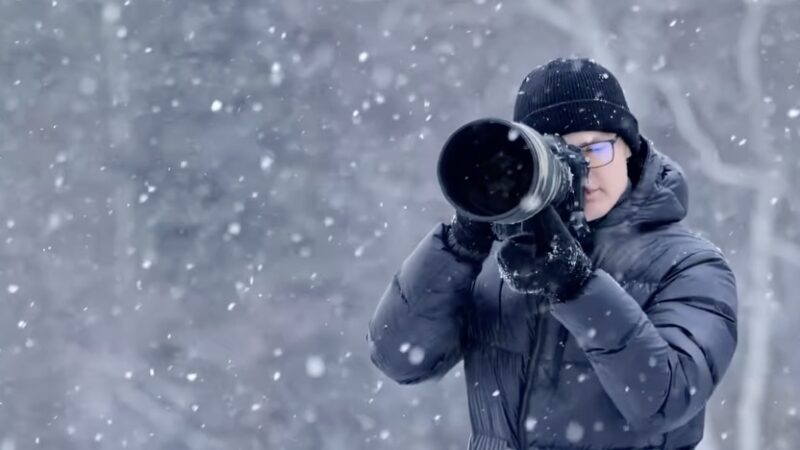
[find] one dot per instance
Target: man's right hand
(470, 238)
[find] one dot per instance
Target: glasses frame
(613, 150)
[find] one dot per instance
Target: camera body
(503, 172)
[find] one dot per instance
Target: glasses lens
(599, 153)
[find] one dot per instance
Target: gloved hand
(470, 239)
(548, 262)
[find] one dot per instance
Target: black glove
(470, 239)
(548, 262)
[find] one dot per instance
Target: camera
(504, 172)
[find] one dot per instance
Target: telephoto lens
(494, 170)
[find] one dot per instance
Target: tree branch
(579, 17)
(555, 15)
(711, 164)
(786, 250)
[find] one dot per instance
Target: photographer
(615, 340)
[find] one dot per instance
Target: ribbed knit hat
(576, 94)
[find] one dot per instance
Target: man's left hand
(549, 262)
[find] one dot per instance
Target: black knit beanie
(577, 94)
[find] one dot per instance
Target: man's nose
(590, 182)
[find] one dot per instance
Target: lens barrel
(494, 170)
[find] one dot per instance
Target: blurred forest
(203, 200)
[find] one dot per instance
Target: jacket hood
(660, 196)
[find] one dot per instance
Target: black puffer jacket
(629, 364)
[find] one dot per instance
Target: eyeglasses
(600, 153)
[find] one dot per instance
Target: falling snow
(206, 203)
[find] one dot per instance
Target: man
(616, 342)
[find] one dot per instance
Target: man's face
(604, 185)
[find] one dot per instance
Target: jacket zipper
(530, 379)
(558, 358)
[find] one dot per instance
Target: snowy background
(203, 200)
